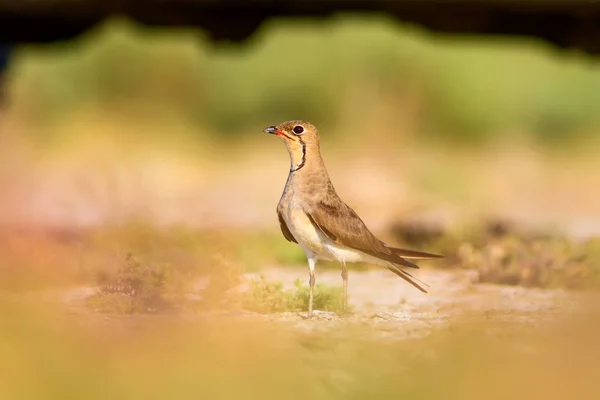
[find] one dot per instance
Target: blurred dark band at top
(5, 51)
(4, 56)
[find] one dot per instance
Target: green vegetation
(451, 90)
(270, 297)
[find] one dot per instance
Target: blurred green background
(466, 91)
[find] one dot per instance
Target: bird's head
(295, 132)
(299, 138)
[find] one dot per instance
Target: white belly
(342, 254)
(315, 243)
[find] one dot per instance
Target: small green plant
(270, 297)
(326, 298)
(267, 297)
(139, 287)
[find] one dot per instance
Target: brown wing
(342, 225)
(284, 229)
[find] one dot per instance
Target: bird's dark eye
(298, 130)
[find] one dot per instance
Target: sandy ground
(398, 310)
(387, 307)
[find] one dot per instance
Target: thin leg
(345, 279)
(311, 265)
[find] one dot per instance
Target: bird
(312, 215)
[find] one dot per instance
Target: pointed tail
(408, 277)
(415, 255)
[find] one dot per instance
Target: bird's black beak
(274, 131)
(270, 129)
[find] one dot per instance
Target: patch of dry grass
(142, 287)
(507, 254)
